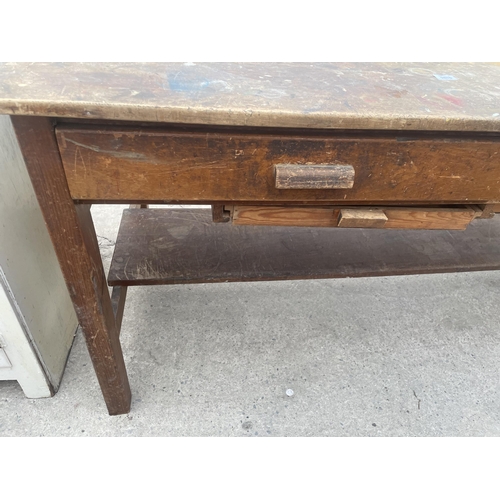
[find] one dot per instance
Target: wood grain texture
(436, 218)
(156, 165)
(290, 176)
(75, 242)
(450, 218)
(374, 218)
(397, 96)
(284, 216)
(164, 246)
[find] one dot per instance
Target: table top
(385, 96)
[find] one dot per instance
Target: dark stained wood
(397, 96)
(119, 293)
(118, 299)
(219, 214)
(165, 246)
(75, 242)
(374, 218)
(121, 165)
(287, 131)
(314, 176)
(224, 129)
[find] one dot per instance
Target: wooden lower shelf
(164, 246)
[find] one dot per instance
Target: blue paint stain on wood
(445, 77)
(189, 81)
(186, 83)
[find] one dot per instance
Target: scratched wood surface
(307, 176)
(411, 96)
(128, 164)
(163, 246)
(73, 235)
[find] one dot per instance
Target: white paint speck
(495, 114)
(289, 393)
(189, 64)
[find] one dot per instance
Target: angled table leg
(73, 234)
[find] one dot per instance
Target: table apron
(117, 165)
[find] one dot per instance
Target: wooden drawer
(450, 218)
(154, 165)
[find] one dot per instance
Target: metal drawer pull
(290, 176)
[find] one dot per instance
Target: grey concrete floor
(398, 356)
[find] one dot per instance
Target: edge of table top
(381, 96)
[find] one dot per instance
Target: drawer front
(149, 165)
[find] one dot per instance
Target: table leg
(73, 235)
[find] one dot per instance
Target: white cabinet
(37, 319)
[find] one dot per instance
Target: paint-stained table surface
(86, 137)
(390, 96)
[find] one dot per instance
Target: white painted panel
(25, 366)
(29, 264)
(4, 360)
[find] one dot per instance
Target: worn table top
(398, 96)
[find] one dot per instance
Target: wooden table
(287, 155)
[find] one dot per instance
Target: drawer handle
(362, 217)
(314, 176)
